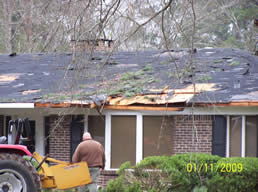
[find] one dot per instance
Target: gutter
(231, 104)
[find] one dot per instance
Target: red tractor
(22, 171)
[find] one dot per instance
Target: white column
(85, 123)
(228, 136)
(108, 140)
(139, 138)
(243, 137)
(39, 135)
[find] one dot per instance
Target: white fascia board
(17, 105)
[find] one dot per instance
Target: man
(93, 153)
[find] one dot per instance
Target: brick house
(134, 103)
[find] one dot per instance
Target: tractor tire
(17, 174)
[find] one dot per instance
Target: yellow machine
(63, 175)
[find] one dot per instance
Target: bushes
(236, 174)
(188, 172)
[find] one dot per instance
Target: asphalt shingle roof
(59, 77)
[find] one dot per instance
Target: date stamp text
(210, 167)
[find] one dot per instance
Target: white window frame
(108, 137)
(228, 136)
(243, 136)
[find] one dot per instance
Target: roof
(220, 75)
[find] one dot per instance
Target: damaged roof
(153, 77)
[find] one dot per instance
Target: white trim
(139, 138)
(39, 135)
(243, 137)
(16, 105)
(228, 136)
(86, 123)
(108, 141)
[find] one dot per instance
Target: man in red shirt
(93, 153)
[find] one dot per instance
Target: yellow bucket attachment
(73, 175)
(63, 175)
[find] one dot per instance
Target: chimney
(89, 45)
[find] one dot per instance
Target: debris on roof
(177, 96)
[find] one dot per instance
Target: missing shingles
(9, 77)
(30, 91)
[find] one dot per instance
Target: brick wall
(105, 176)
(189, 138)
(60, 137)
(93, 45)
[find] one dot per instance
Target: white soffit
(16, 105)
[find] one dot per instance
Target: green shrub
(235, 174)
(187, 172)
(116, 185)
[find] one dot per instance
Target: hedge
(187, 172)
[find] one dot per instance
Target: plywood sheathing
(165, 96)
(30, 91)
(148, 108)
(9, 77)
(53, 105)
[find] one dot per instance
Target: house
(136, 104)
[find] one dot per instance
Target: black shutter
(219, 126)
(1, 125)
(7, 119)
(77, 127)
(47, 132)
(257, 136)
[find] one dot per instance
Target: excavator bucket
(63, 175)
(73, 175)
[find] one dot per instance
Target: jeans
(94, 174)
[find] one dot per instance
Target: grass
(147, 68)
(56, 190)
(127, 76)
(218, 61)
(205, 78)
(235, 63)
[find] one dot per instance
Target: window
(123, 140)
(243, 136)
(157, 135)
(96, 127)
(251, 136)
(235, 136)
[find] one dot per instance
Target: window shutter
(219, 126)
(77, 127)
(1, 125)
